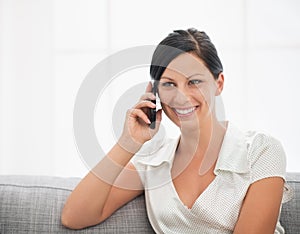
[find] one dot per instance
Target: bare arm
(261, 207)
(113, 181)
(91, 201)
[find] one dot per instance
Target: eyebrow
(165, 77)
(196, 74)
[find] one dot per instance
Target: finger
(144, 104)
(137, 113)
(148, 96)
(149, 87)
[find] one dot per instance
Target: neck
(202, 145)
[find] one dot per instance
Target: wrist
(129, 144)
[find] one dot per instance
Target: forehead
(186, 64)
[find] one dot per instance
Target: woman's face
(187, 90)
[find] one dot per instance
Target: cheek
(205, 94)
(167, 96)
(170, 114)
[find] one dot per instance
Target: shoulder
(266, 155)
(254, 152)
(267, 159)
(156, 152)
(262, 145)
(260, 139)
(155, 158)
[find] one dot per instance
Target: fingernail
(153, 104)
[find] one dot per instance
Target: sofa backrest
(290, 213)
(30, 204)
(33, 204)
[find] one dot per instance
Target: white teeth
(185, 111)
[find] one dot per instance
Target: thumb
(158, 120)
(159, 115)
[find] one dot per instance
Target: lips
(183, 112)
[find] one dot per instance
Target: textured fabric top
(245, 157)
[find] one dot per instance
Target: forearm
(95, 197)
(85, 205)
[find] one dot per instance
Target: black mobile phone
(152, 111)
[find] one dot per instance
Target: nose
(181, 96)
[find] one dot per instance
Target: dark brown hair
(181, 41)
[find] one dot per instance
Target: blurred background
(47, 47)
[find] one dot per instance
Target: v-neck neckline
(198, 199)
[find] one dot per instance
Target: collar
(234, 152)
(157, 152)
(232, 156)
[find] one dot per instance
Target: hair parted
(182, 41)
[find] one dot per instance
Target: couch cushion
(290, 213)
(33, 204)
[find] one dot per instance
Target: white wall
(48, 47)
(27, 87)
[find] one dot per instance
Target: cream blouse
(245, 157)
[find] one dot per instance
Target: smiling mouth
(183, 112)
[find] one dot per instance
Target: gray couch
(32, 204)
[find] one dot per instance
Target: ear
(220, 84)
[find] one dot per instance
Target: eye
(167, 84)
(195, 82)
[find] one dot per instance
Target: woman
(213, 178)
